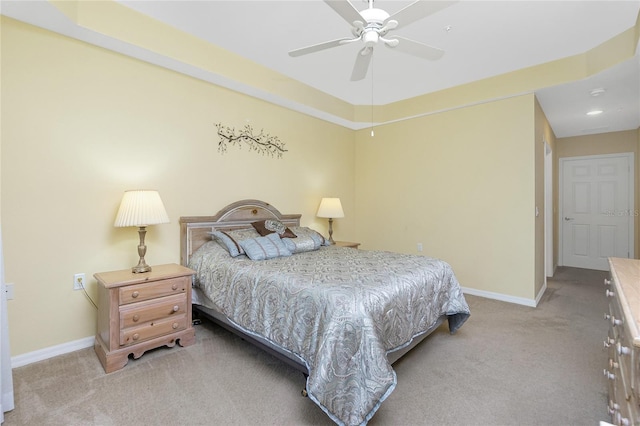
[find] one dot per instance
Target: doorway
(596, 206)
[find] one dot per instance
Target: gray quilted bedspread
(340, 310)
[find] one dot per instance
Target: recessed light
(595, 112)
(597, 92)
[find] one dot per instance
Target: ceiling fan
(372, 25)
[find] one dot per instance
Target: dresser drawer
(151, 290)
(138, 313)
(153, 329)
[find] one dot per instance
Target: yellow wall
(608, 143)
(461, 183)
(543, 132)
(86, 124)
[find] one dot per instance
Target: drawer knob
(135, 294)
(607, 281)
(613, 319)
(136, 317)
(609, 375)
(174, 325)
(623, 350)
(609, 293)
(136, 336)
(612, 364)
(609, 342)
(174, 287)
(176, 308)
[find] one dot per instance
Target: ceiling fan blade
(345, 9)
(361, 66)
(418, 10)
(319, 46)
(416, 48)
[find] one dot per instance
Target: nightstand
(347, 244)
(139, 312)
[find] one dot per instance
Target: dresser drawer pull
(174, 325)
(176, 308)
(609, 375)
(607, 281)
(609, 342)
(612, 364)
(609, 293)
(623, 350)
(136, 318)
(135, 294)
(613, 319)
(174, 287)
(135, 336)
(619, 420)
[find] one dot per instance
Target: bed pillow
(262, 248)
(269, 226)
(231, 239)
(300, 244)
(303, 231)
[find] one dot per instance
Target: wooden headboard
(194, 230)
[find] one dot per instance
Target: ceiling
(481, 39)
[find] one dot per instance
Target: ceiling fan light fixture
(370, 37)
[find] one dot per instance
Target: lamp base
(142, 266)
(331, 232)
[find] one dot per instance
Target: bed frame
(194, 232)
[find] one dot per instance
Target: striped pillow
(262, 248)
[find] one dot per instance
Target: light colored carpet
(508, 365)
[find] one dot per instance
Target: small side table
(139, 312)
(347, 244)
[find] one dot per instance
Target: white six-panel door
(596, 210)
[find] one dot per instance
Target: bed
(341, 316)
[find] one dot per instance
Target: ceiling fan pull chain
(372, 132)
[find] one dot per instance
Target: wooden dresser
(623, 341)
(138, 312)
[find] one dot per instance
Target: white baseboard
(541, 292)
(50, 352)
(502, 297)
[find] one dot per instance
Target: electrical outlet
(419, 247)
(78, 281)
(9, 291)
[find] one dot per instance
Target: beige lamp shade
(141, 208)
(331, 208)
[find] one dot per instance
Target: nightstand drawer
(151, 310)
(150, 330)
(151, 290)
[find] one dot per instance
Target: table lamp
(141, 208)
(332, 209)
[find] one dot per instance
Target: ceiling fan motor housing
(374, 16)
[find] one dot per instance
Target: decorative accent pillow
(262, 248)
(231, 239)
(269, 226)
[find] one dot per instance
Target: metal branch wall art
(262, 143)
